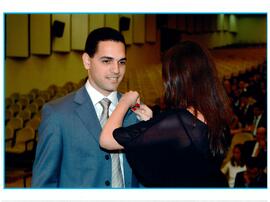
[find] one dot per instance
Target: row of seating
(23, 116)
(232, 61)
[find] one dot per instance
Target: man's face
(107, 67)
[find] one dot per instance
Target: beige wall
(251, 29)
(21, 75)
(247, 29)
(40, 71)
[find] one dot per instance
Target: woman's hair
(190, 80)
(233, 160)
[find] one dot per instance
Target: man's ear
(86, 61)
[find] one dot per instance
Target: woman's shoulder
(172, 112)
(184, 114)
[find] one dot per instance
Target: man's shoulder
(62, 101)
(65, 103)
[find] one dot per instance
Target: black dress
(163, 153)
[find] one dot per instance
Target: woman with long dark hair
(235, 165)
(183, 145)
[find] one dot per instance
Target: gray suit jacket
(68, 152)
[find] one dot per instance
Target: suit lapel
(87, 113)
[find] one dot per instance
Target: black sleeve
(126, 135)
(162, 129)
(151, 148)
(162, 154)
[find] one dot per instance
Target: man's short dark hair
(102, 34)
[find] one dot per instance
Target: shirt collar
(96, 96)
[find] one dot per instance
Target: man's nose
(115, 68)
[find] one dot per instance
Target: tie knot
(105, 103)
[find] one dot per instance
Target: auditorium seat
(8, 102)
(24, 141)
(45, 95)
(35, 92)
(31, 96)
(37, 115)
(25, 115)
(16, 108)
(69, 86)
(33, 107)
(16, 123)
(9, 133)
(34, 123)
(24, 101)
(15, 97)
(61, 91)
(40, 102)
(52, 90)
(8, 115)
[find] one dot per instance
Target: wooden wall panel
(232, 23)
(172, 21)
(79, 31)
(151, 28)
(226, 23)
(213, 23)
(96, 21)
(206, 23)
(112, 20)
(62, 44)
(181, 22)
(139, 28)
(190, 23)
(220, 22)
(40, 34)
(17, 35)
(128, 34)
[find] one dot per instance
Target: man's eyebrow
(123, 59)
(111, 58)
(107, 57)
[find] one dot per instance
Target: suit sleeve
(47, 162)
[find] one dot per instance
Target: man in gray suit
(68, 152)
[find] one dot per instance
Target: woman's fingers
(143, 111)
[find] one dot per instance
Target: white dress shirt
(96, 97)
(232, 171)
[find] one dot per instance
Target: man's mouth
(113, 78)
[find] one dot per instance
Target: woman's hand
(130, 99)
(143, 111)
